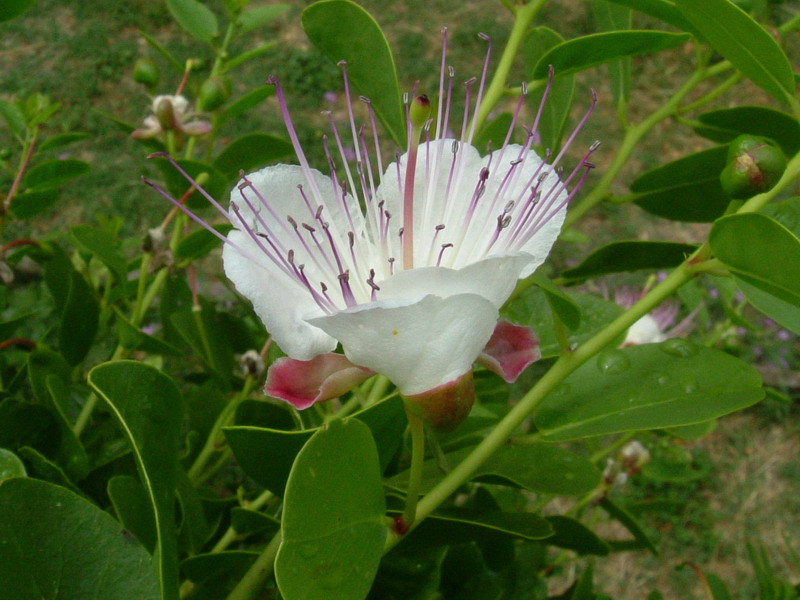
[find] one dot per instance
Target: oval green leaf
(727, 124)
(62, 139)
(30, 204)
(54, 173)
(599, 48)
(662, 10)
(618, 257)
(736, 36)
(148, 407)
(105, 247)
(748, 244)
(686, 189)
(256, 17)
(647, 387)
(10, 465)
(244, 103)
(333, 517)
(200, 243)
(195, 18)
(251, 151)
(342, 30)
(80, 320)
(69, 548)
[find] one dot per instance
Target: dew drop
(679, 347)
(689, 384)
(661, 378)
(612, 362)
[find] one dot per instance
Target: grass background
(80, 53)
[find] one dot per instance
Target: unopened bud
(146, 72)
(445, 407)
(420, 110)
(755, 164)
(165, 112)
(213, 94)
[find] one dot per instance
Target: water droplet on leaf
(679, 347)
(612, 362)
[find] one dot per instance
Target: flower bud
(445, 407)
(146, 72)
(420, 110)
(213, 93)
(755, 164)
(165, 112)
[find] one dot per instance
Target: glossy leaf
(748, 244)
(63, 139)
(647, 387)
(662, 10)
(342, 30)
(148, 407)
(599, 48)
(69, 548)
(258, 16)
(79, 320)
(244, 103)
(54, 173)
(200, 243)
(787, 213)
(560, 303)
(686, 189)
(618, 257)
(740, 39)
(726, 124)
(556, 110)
(543, 468)
(333, 516)
(267, 455)
(457, 526)
(41, 467)
(251, 151)
(574, 535)
(103, 245)
(195, 18)
(531, 309)
(133, 338)
(30, 204)
(133, 508)
(10, 465)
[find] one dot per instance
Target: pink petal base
(510, 350)
(301, 383)
(446, 406)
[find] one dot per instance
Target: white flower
(171, 112)
(408, 274)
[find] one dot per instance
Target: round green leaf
(749, 244)
(647, 387)
(333, 517)
(686, 189)
(342, 30)
(148, 407)
(62, 547)
(10, 465)
(195, 18)
(599, 48)
(249, 152)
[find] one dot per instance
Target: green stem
(230, 536)
(712, 95)
(523, 15)
(252, 582)
(417, 428)
(378, 390)
(565, 365)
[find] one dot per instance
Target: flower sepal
(446, 406)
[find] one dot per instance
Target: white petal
(418, 346)
(492, 278)
(279, 302)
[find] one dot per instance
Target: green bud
(446, 406)
(420, 110)
(755, 164)
(146, 72)
(213, 94)
(5, 153)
